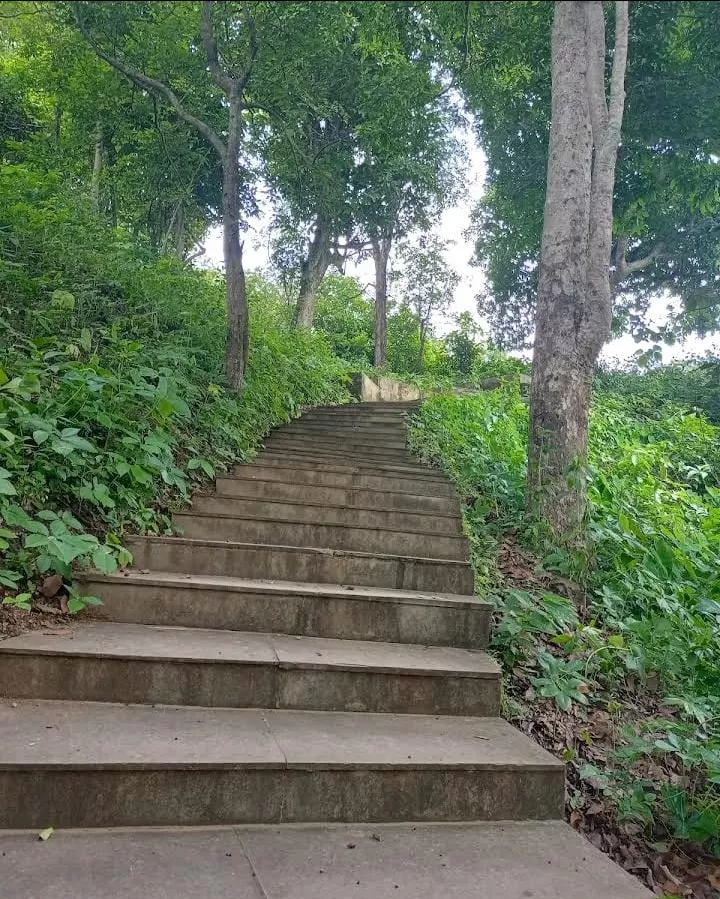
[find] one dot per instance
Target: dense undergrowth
(630, 633)
(111, 404)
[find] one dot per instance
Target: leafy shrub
(694, 383)
(111, 397)
(652, 584)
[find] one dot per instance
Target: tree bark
(237, 310)
(238, 337)
(313, 270)
(381, 247)
(97, 166)
(180, 231)
(574, 304)
(423, 338)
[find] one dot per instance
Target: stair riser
(316, 475)
(397, 424)
(340, 451)
(335, 440)
(344, 617)
(435, 546)
(285, 564)
(181, 796)
(237, 685)
(364, 518)
(377, 407)
(290, 489)
(370, 432)
(347, 464)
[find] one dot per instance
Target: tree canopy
(667, 206)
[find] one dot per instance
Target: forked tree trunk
(574, 305)
(237, 309)
(381, 253)
(313, 270)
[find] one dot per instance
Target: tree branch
(231, 85)
(617, 82)
(153, 85)
(595, 72)
(623, 268)
(221, 78)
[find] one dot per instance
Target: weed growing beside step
(612, 659)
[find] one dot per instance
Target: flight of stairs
(308, 650)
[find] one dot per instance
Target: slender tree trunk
(574, 299)
(237, 310)
(313, 270)
(381, 253)
(421, 354)
(97, 166)
(180, 231)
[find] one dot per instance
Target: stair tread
(424, 861)
(291, 501)
(358, 464)
(240, 515)
(281, 588)
(163, 643)
(239, 544)
(87, 735)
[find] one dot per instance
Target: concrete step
(308, 564)
(336, 441)
(375, 406)
(287, 607)
(79, 764)
(508, 860)
(347, 463)
(393, 439)
(305, 472)
(340, 451)
(290, 486)
(381, 431)
(137, 663)
(361, 417)
(243, 528)
(324, 513)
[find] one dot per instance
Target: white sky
(452, 227)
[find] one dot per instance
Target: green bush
(652, 583)
(111, 396)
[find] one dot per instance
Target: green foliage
(652, 585)
(666, 205)
(110, 404)
(694, 383)
(345, 317)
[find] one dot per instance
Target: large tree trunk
(313, 270)
(381, 253)
(574, 299)
(237, 309)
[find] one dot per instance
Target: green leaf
(104, 560)
(45, 834)
(6, 488)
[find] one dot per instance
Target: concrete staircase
(309, 650)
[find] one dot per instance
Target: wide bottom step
(507, 860)
(78, 764)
